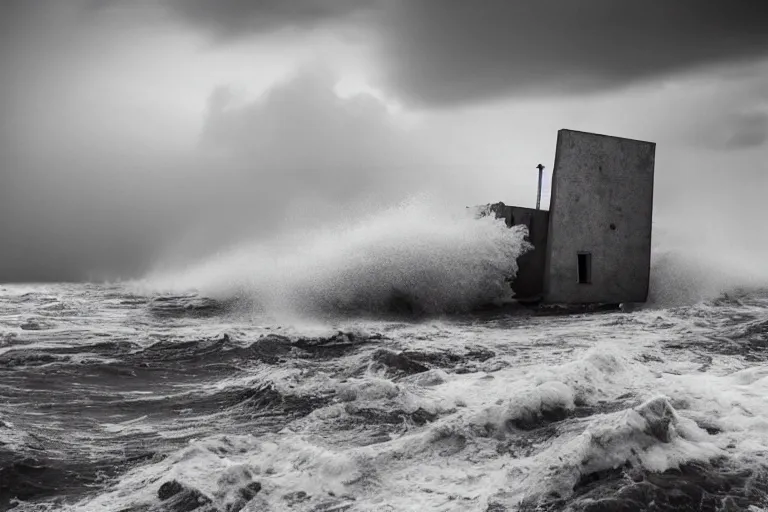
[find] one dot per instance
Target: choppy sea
(118, 401)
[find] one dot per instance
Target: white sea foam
(457, 462)
(414, 256)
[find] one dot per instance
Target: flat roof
(608, 136)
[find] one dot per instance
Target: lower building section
(529, 284)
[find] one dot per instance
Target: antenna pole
(538, 192)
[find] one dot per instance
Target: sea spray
(690, 264)
(412, 257)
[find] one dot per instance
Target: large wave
(415, 257)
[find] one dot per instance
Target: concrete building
(593, 246)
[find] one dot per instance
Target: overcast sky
(137, 130)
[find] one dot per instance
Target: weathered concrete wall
(529, 282)
(601, 203)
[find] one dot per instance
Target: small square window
(585, 267)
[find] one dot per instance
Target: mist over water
(691, 263)
(413, 257)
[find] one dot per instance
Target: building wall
(601, 203)
(529, 282)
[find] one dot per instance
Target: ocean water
(377, 367)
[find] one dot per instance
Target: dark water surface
(111, 400)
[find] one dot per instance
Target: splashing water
(413, 257)
(114, 400)
(690, 265)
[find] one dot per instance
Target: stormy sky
(136, 131)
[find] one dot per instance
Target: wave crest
(414, 258)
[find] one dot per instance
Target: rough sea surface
(113, 400)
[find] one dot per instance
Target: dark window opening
(585, 267)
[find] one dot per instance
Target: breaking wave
(422, 258)
(411, 258)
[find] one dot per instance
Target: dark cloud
(231, 18)
(452, 51)
(445, 52)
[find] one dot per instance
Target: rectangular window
(585, 267)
